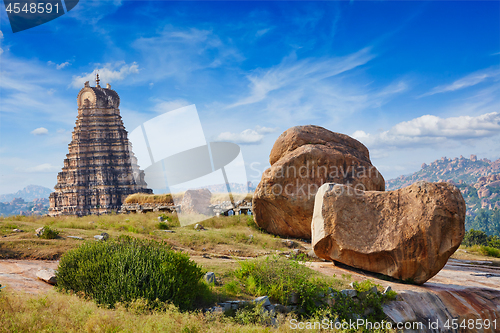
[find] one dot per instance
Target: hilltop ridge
(477, 179)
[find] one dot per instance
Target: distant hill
(31, 200)
(478, 180)
(29, 193)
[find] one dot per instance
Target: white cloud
(1, 38)
(262, 32)
(40, 131)
(61, 66)
(429, 129)
(177, 53)
(165, 106)
(293, 73)
(467, 81)
(108, 73)
(46, 167)
(248, 136)
(265, 130)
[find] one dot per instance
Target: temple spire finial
(97, 80)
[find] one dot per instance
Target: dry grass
(142, 198)
(67, 313)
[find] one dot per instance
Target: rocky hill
(29, 193)
(478, 180)
(31, 200)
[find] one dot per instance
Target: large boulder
(196, 202)
(408, 234)
(302, 159)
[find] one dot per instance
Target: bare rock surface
(302, 159)
(21, 275)
(408, 234)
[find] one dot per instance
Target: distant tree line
(487, 221)
(478, 237)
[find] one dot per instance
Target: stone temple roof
(98, 97)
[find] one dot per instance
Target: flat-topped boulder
(408, 234)
(302, 159)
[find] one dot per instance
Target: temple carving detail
(100, 170)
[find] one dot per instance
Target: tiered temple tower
(100, 170)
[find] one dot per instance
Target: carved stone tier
(100, 170)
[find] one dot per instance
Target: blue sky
(413, 81)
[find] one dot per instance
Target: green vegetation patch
(129, 269)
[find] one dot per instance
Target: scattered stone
(210, 278)
(349, 292)
(293, 298)
(75, 237)
(170, 231)
(302, 159)
(288, 243)
(39, 231)
(47, 275)
(198, 227)
(102, 237)
(17, 230)
(311, 254)
(264, 300)
(408, 234)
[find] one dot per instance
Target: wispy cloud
(292, 72)
(429, 129)
(165, 106)
(40, 131)
(472, 79)
(248, 136)
(177, 53)
(108, 73)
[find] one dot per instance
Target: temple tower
(100, 170)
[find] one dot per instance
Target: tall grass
(141, 198)
(63, 313)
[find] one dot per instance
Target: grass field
(220, 248)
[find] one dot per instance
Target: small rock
(262, 299)
(349, 292)
(210, 278)
(288, 243)
(293, 298)
(170, 231)
(17, 230)
(198, 227)
(206, 256)
(39, 231)
(47, 275)
(105, 236)
(75, 237)
(311, 254)
(99, 237)
(387, 289)
(160, 219)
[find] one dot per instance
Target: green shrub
(278, 278)
(163, 226)
(49, 233)
(130, 269)
(489, 251)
